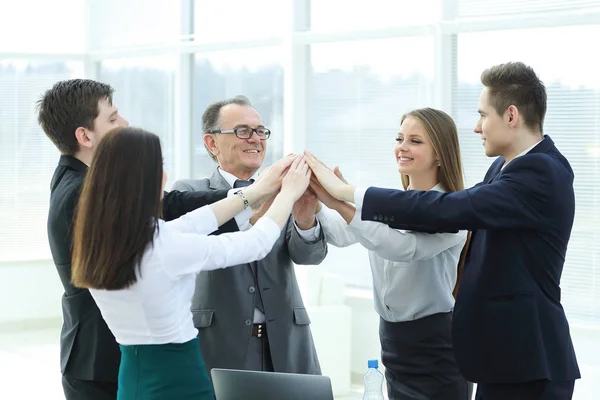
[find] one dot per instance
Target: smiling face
(240, 157)
(414, 152)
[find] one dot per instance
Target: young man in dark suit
(510, 332)
(75, 115)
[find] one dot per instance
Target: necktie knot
(239, 183)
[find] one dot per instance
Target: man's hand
(305, 209)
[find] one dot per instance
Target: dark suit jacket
(88, 349)
(509, 324)
(223, 303)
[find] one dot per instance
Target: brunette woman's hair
(118, 211)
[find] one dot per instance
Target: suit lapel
(218, 182)
(495, 170)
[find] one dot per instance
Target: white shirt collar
(527, 150)
(438, 187)
(230, 178)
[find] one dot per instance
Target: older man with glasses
(252, 316)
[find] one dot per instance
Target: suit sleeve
(177, 203)
(519, 199)
(303, 251)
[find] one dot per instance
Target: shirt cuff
(359, 197)
(311, 234)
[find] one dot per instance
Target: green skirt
(163, 372)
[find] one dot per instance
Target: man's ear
(83, 137)
(210, 141)
(512, 115)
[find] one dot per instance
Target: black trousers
(77, 389)
(535, 390)
(419, 359)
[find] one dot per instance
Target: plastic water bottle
(373, 382)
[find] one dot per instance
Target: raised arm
(186, 253)
(521, 198)
(336, 228)
(190, 252)
(388, 243)
(177, 203)
(403, 246)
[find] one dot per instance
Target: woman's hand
(269, 181)
(336, 187)
(297, 178)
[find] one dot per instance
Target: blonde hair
(444, 138)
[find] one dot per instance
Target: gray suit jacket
(223, 303)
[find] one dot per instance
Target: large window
(42, 26)
(133, 23)
(27, 157)
(357, 93)
(477, 8)
(335, 15)
(572, 120)
(144, 94)
(223, 20)
(254, 73)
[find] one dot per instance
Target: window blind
(27, 157)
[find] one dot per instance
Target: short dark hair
(517, 84)
(118, 211)
(212, 113)
(69, 105)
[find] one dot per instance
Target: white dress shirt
(156, 308)
(310, 235)
(414, 273)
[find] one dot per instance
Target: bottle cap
(373, 364)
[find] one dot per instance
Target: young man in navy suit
(510, 332)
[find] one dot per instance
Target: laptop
(231, 384)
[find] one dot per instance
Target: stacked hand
(306, 180)
(330, 180)
(269, 182)
(297, 178)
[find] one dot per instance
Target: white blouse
(414, 273)
(156, 308)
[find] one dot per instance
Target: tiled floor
(29, 367)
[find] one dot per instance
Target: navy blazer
(88, 350)
(509, 324)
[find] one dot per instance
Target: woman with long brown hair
(414, 274)
(141, 270)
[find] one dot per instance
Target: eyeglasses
(245, 132)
